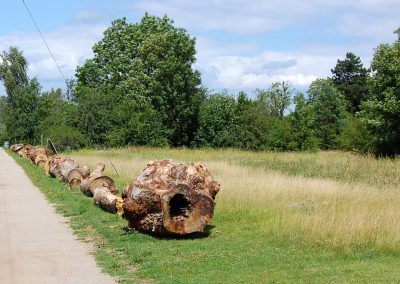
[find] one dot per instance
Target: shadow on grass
(207, 231)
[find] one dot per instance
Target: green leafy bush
(355, 137)
(65, 137)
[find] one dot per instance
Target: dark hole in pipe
(178, 205)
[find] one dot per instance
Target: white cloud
(232, 38)
(260, 16)
(238, 16)
(258, 71)
(70, 44)
(89, 16)
(356, 26)
(207, 47)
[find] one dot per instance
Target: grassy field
(280, 217)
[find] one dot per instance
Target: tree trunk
(75, 176)
(107, 200)
(41, 160)
(39, 151)
(61, 166)
(97, 179)
(46, 167)
(66, 166)
(54, 169)
(16, 147)
(25, 151)
(169, 198)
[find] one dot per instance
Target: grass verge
(255, 237)
(89, 223)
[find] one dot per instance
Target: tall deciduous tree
(55, 111)
(275, 99)
(303, 119)
(350, 78)
(329, 107)
(21, 115)
(13, 67)
(216, 118)
(381, 114)
(150, 61)
(251, 127)
(3, 107)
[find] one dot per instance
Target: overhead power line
(48, 48)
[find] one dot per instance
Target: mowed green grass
(279, 218)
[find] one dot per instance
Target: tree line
(140, 88)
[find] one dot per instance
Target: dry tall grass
(326, 198)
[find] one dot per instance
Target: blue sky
(241, 45)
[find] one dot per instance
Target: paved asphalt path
(36, 245)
